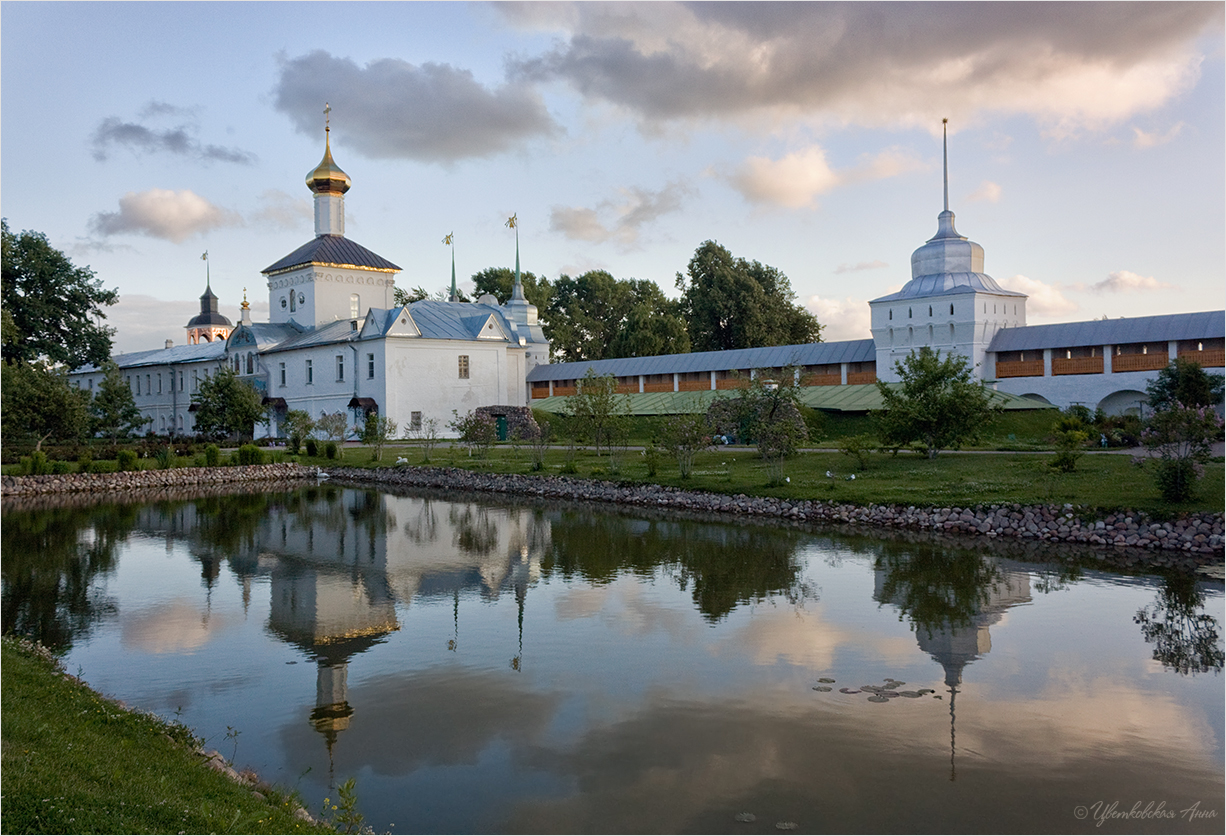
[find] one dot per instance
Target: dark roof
(208, 318)
(331, 249)
(1140, 329)
(806, 354)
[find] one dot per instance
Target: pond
(483, 665)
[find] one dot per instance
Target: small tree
(1071, 432)
(477, 432)
(297, 426)
(684, 437)
(766, 412)
(426, 434)
(1184, 382)
(599, 412)
(376, 433)
(540, 444)
(1180, 437)
(113, 409)
(938, 404)
(228, 406)
(333, 427)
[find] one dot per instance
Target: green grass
(1102, 480)
(74, 762)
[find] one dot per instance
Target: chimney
(170, 343)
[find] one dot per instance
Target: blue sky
(1087, 143)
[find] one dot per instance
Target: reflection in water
(659, 679)
(1185, 638)
(951, 597)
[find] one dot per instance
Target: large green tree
(40, 404)
(499, 281)
(730, 302)
(227, 406)
(938, 403)
(113, 409)
(55, 306)
(597, 317)
(1184, 382)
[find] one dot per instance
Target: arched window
(930, 310)
(951, 308)
(355, 305)
(908, 313)
(293, 302)
(891, 314)
(250, 363)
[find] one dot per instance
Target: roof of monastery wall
(1123, 331)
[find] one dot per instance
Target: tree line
(725, 302)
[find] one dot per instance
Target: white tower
(950, 304)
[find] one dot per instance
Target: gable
(485, 328)
(401, 324)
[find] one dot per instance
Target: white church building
(336, 342)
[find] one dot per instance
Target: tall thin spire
(517, 289)
(945, 154)
(449, 239)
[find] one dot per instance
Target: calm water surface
(491, 667)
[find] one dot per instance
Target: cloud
(858, 266)
(162, 213)
(180, 140)
(391, 109)
(1069, 66)
(1143, 140)
(1045, 299)
(1126, 281)
(841, 319)
(628, 215)
(795, 180)
(988, 192)
(279, 210)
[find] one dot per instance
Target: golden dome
(327, 177)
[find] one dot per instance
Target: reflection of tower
(332, 709)
(956, 645)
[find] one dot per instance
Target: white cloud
(841, 319)
(1045, 299)
(1126, 281)
(633, 210)
(860, 265)
(1144, 140)
(795, 180)
(162, 213)
(988, 192)
(279, 210)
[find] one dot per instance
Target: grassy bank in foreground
(74, 762)
(1107, 481)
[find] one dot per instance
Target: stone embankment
(142, 480)
(1193, 534)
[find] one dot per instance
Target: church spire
(449, 240)
(517, 289)
(329, 183)
(945, 155)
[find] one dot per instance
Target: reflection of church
(341, 562)
(956, 645)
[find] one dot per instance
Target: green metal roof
(859, 398)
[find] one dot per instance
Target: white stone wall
(326, 294)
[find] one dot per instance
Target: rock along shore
(1198, 535)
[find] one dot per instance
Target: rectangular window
(149, 384)
(138, 384)
(340, 367)
(282, 369)
(415, 421)
(181, 389)
(195, 381)
(310, 373)
(370, 366)
(91, 384)
(463, 367)
(160, 384)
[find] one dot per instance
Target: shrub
(250, 454)
(200, 461)
(331, 450)
(166, 458)
(1071, 432)
(126, 461)
(312, 447)
(85, 463)
(212, 455)
(857, 447)
(1180, 437)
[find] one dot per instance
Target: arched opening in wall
(891, 338)
(1124, 402)
(908, 313)
(930, 335)
(951, 308)
(250, 363)
(951, 333)
(930, 310)
(1035, 396)
(891, 313)
(355, 305)
(910, 336)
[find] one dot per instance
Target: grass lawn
(74, 762)
(1101, 480)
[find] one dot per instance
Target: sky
(1087, 144)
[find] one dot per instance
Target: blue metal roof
(1141, 329)
(331, 249)
(806, 354)
(948, 284)
(163, 356)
